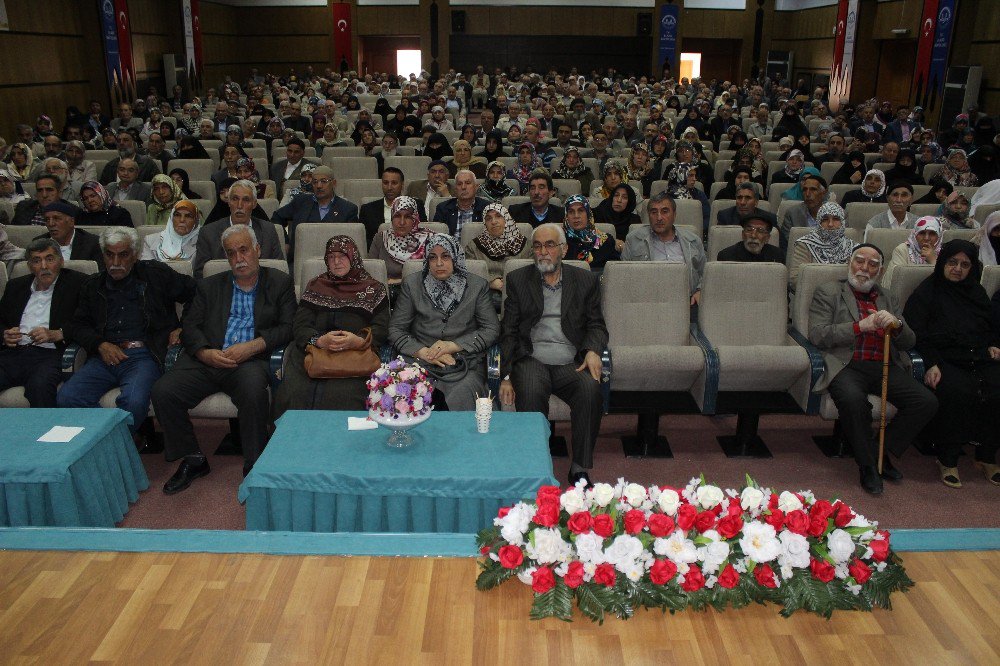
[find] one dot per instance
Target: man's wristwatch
(314, 341)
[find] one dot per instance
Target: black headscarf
(605, 214)
(844, 173)
(499, 152)
(443, 147)
(904, 173)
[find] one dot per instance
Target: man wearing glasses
(323, 205)
(552, 335)
(848, 321)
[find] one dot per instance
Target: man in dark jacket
(235, 320)
(125, 321)
(60, 220)
(754, 246)
(29, 211)
(538, 211)
(464, 208)
(33, 311)
(323, 205)
(552, 336)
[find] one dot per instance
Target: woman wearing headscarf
(950, 313)
(464, 159)
(613, 175)
(339, 308)
(99, 209)
(872, 189)
(190, 148)
(790, 124)
(493, 147)
(318, 125)
(691, 119)
(988, 240)
(444, 320)
(738, 142)
(984, 164)
(152, 124)
(180, 176)
(330, 139)
(938, 194)
(954, 213)
(495, 187)
(470, 134)
(179, 238)
(584, 241)
(165, 194)
(21, 162)
(383, 110)
(928, 153)
(738, 176)
(11, 190)
(957, 171)
(500, 240)
(402, 241)
(618, 210)
(167, 130)
(853, 171)
(827, 243)
(640, 168)
(795, 193)
(921, 248)
(80, 170)
(305, 185)
(247, 170)
(571, 167)
(527, 162)
(801, 144)
(367, 139)
(794, 165)
(905, 169)
(437, 147)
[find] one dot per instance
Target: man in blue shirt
(235, 320)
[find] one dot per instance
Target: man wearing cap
(60, 220)
(898, 215)
(747, 202)
(33, 311)
(754, 246)
(848, 320)
(804, 215)
(323, 205)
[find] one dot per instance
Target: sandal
(991, 471)
(949, 476)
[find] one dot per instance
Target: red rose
(580, 522)
(817, 525)
(510, 556)
(542, 580)
(548, 494)
(634, 521)
(604, 526)
(605, 575)
(705, 521)
(502, 513)
(821, 570)
(860, 571)
(729, 577)
(662, 572)
(734, 507)
(685, 516)
(842, 514)
(547, 515)
(693, 579)
(772, 502)
(775, 519)
(880, 547)
(730, 526)
(484, 550)
(796, 521)
(821, 508)
(661, 525)
(574, 575)
(717, 509)
(765, 576)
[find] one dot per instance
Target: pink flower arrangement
(399, 391)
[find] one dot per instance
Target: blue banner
(112, 55)
(942, 43)
(668, 36)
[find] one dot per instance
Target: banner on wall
(668, 36)
(843, 53)
(191, 11)
(939, 53)
(342, 35)
(116, 32)
(925, 45)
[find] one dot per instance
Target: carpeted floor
(919, 501)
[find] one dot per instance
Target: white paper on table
(360, 423)
(60, 434)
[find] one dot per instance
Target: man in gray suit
(552, 335)
(235, 320)
(804, 215)
(848, 320)
(125, 142)
(242, 201)
(128, 187)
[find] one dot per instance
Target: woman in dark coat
(618, 210)
(99, 209)
(960, 343)
(337, 310)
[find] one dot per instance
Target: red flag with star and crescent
(925, 47)
(342, 33)
(839, 39)
(124, 28)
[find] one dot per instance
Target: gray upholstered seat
(311, 237)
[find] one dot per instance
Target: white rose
(669, 500)
(751, 499)
(418, 404)
(390, 389)
(601, 494)
(623, 552)
(794, 550)
(634, 494)
(573, 501)
(759, 542)
(709, 496)
(590, 548)
(840, 545)
(713, 555)
(548, 547)
(789, 502)
(678, 548)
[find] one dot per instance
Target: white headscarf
(171, 245)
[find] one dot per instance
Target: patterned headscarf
(413, 244)
(926, 223)
(589, 238)
(106, 200)
(175, 192)
(881, 177)
(522, 172)
(789, 171)
(445, 294)
(829, 246)
(357, 289)
(511, 240)
(565, 171)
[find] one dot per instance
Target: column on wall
(430, 55)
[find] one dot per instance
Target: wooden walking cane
(887, 341)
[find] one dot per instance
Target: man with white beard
(848, 320)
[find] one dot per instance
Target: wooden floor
(150, 608)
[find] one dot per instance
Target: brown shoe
(991, 471)
(949, 476)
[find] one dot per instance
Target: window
(690, 65)
(408, 62)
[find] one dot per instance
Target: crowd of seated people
(596, 169)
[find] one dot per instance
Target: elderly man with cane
(862, 335)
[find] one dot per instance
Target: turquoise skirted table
(86, 482)
(316, 476)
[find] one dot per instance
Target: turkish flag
(342, 34)
(925, 45)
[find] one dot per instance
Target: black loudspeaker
(457, 21)
(644, 24)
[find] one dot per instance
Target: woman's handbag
(326, 364)
(449, 373)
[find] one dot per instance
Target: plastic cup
(482, 423)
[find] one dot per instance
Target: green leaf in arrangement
(593, 600)
(557, 602)
(492, 576)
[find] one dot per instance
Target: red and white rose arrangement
(617, 548)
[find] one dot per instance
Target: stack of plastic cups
(484, 411)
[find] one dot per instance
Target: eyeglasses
(322, 181)
(953, 262)
(548, 246)
(757, 231)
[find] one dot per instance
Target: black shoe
(184, 475)
(147, 443)
(576, 476)
(889, 472)
(870, 480)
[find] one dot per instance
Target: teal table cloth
(316, 476)
(86, 482)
